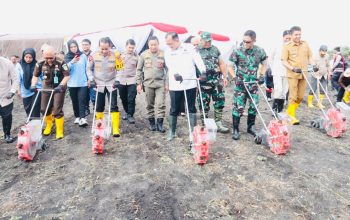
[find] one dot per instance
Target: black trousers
(127, 94)
(101, 100)
(28, 104)
(178, 97)
(78, 96)
(341, 93)
(6, 115)
(335, 79)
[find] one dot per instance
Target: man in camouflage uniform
(247, 60)
(216, 79)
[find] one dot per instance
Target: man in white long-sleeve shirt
(181, 59)
(9, 84)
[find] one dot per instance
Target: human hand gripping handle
(9, 95)
(297, 70)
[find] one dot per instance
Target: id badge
(55, 80)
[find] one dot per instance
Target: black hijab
(70, 55)
(28, 68)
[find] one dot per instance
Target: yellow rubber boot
(49, 124)
(291, 112)
(59, 127)
(346, 97)
(99, 115)
(115, 124)
(309, 101)
(320, 105)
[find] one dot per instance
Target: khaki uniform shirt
(298, 56)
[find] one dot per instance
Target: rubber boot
(218, 121)
(235, 127)
(49, 125)
(309, 101)
(152, 124)
(172, 127)
(115, 124)
(99, 115)
(291, 112)
(250, 125)
(346, 97)
(193, 120)
(320, 105)
(160, 127)
(59, 127)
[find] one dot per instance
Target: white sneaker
(77, 121)
(83, 122)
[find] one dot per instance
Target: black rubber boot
(152, 124)
(193, 120)
(250, 125)
(235, 127)
(160, 127)
(172, 127)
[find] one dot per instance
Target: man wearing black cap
(213, 86)
(319, 77)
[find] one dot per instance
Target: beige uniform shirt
(103, 71)
(323, 64)
(151, 69)
(298, 56)
(9, 81)
(127, 76)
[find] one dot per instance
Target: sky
(322, 21)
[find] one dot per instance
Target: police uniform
(103, 71)
(213, 86)
(127, 88)
(151, 73)
(52, 76)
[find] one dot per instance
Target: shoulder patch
(65, 67)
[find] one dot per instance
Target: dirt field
(143, 176)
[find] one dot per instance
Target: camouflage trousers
(240, 98)
(214, 91)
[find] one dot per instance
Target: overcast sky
(322, 21)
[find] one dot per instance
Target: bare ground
(143, 176)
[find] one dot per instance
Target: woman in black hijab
(28, 64)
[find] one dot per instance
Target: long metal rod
(32, 108)
(267, 102)
(313, 92)
(255, 105)
(188, 117)
(109, 108)
(200, 95)
(326, 93)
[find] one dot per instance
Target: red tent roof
(163, 27)
(217, 37)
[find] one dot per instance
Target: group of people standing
(92, 76)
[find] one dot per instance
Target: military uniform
(103, 71)
(52, 77)
(151, 73)
(247, 63)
